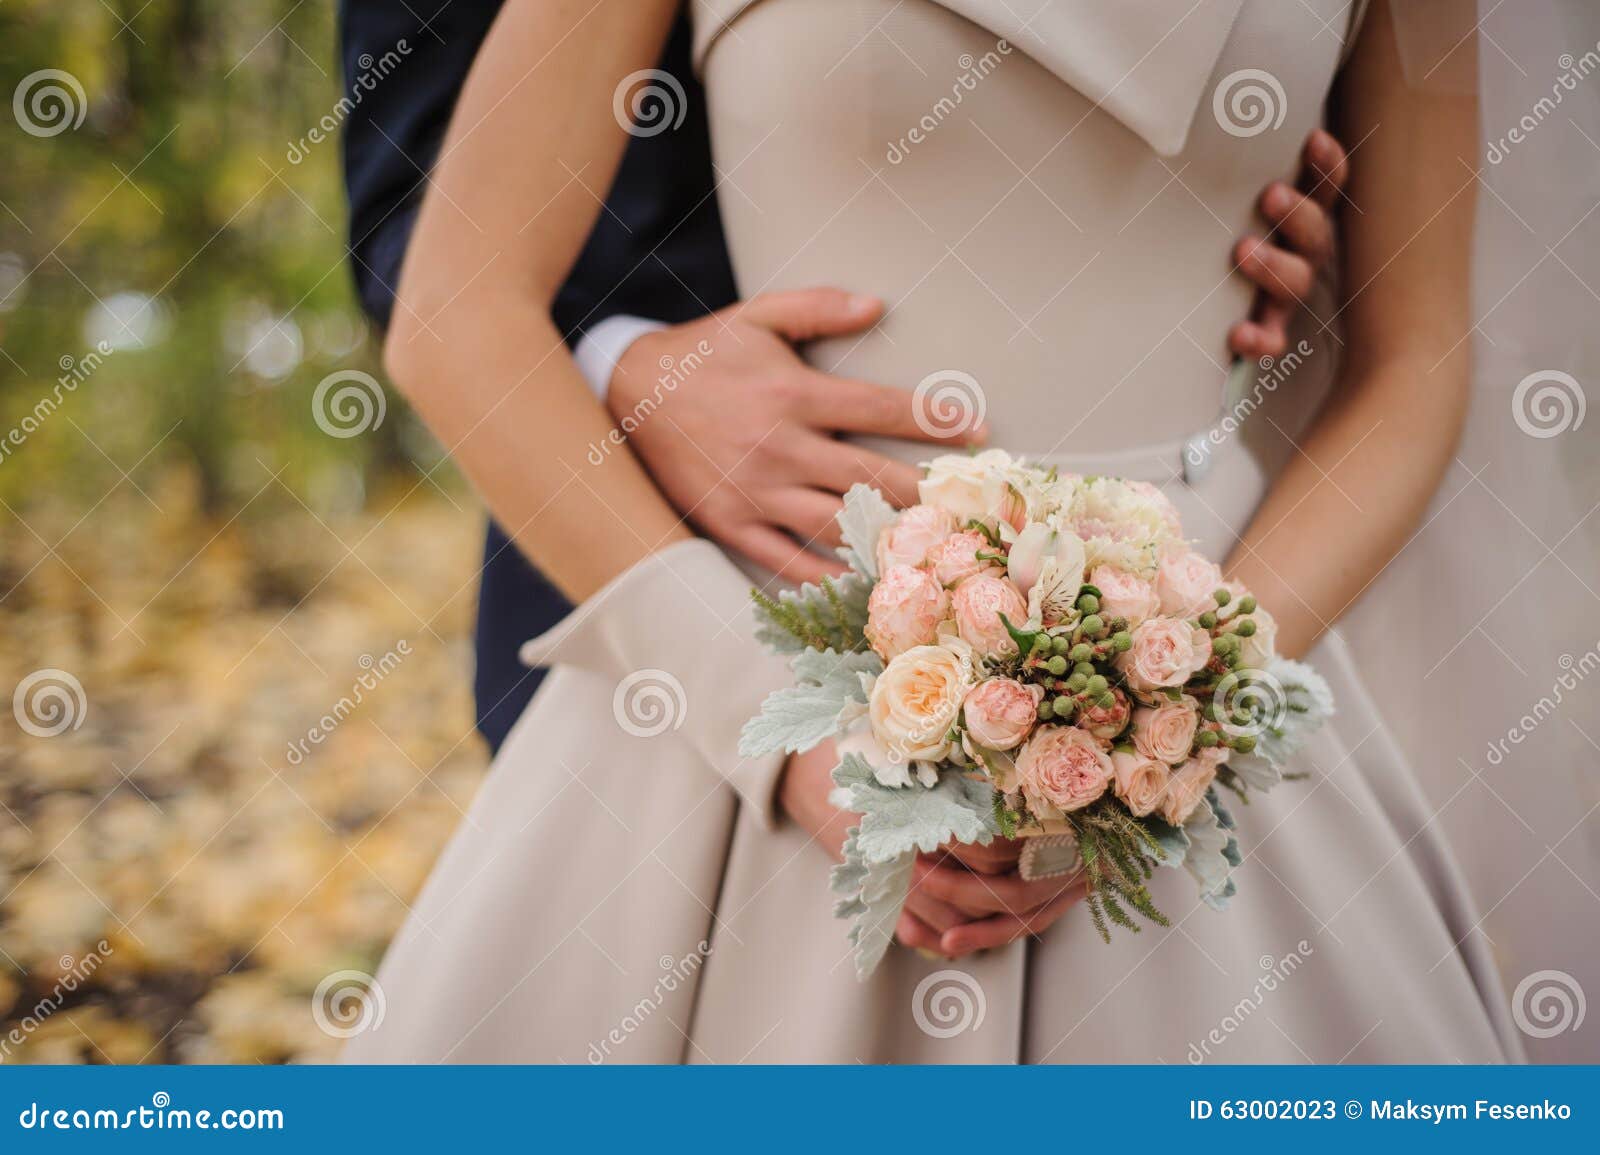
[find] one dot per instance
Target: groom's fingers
(780, 553)
(1275, 271)
(837, 465)
(805, 314)
(810, 514)
(846, 405)
(1327, 165)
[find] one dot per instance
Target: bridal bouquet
(1032, 655)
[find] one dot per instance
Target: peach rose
(905, 610)
(1165, 652)
(1185, 583)
(1063, 767)
(1140, 782)
(914, 533)
(1166, 732)
(977, 605)
(1185, 789)
(915, 701)
(1122, 595)
(1000, 711)
(1107, 722)
(955, 559)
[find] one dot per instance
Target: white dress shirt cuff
(603, 345)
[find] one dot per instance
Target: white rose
(973, 488)
(1260, 647)
(915, 701)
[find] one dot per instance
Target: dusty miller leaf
(828, 687)
(871, 895)
(1213, 851)
(896, 821)
(861, 522)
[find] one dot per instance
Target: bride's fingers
(984, 893)
(781, 554)
(914, 933)
(837, 465)
(937, 914)
(809, 514)
(999, 857)
(987, 933)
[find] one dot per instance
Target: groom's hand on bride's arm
(738, 431)
(1284, 263)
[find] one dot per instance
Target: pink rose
(1063, 767)
(1165, 652)
(1185, 789)
(1166, 732)
(916, 531)
(1000, 711)
(1106, 722)
(1140, 782)
(1186, 583)
(977, 605)
(905, 610)
(1122, 595)
(955, 559)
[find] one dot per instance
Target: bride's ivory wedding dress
(1049, 214)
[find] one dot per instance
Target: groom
(651, 271)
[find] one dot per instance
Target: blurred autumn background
(195, 572)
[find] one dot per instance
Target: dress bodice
(1046, 193)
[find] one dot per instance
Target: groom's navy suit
(658, 252)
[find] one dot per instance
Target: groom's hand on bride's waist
(740, 433)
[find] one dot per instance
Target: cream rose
(955, 558)
(1262, 646)
(999, 712)
(1165, 652)
(1166, 732)
(1185, 789)
(975, 488)
(1063, 767)
(1186, 583)
(977, 605)
(1107, 721)
(1122, 595)
(915, 701)
(905, 610)
(912, 536)
(1139, 781)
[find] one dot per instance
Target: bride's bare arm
(1363, 475)
(530, 153)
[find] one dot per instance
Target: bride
(1042, 192)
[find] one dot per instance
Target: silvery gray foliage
(1308, 702)
(1213, 852)
(895, 820)
(852, 590)
(1255, 771)
(861, 522)
(830, 689)
(871, 895)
